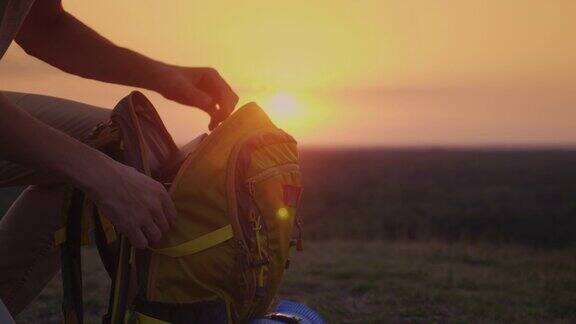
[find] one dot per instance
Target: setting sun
(419, 145)
(300, 114)
(367, 73)
(283, 105)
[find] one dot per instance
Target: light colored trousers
(28, 256)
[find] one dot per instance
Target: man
(40, 142)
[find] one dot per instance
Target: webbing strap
(119, 290)
(199, 244)
(72, 307)
(145, 319)
(60, 236)
(106, 250)
(88, 225)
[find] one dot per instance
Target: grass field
(398, 282)
(520, 196)
(418, 236)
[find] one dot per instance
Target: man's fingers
(226, 97)
(161, 221)
(137, 239)
(227, 103)
(152, 232)
(222, 95)
(169, 209)
(198, 98)
(227, 100)
(214, 118)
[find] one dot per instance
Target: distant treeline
(526, 197)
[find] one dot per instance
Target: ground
(375, 221)
(398, 282)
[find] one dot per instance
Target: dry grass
(381, 282)
(392, 282)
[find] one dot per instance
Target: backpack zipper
(256, 218)
(233, 207)
(270, 172)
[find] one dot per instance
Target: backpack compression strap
(118, 303)
(106, 243)
(72, 308)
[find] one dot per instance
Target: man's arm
(56, 37)
(137, 205)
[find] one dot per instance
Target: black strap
(108, 251)
(118, 303)
(210, 311)
(108, 255)
(72, 307)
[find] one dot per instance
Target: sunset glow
(283, 106)
(358, 73)
(302, 114)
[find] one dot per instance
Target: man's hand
(54, 36)
(202, 87)
(138, 206)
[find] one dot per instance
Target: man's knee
(28, 255)
(36, 210)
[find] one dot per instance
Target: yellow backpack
(236, 195)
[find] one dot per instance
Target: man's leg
(70, 117)
(28, 257)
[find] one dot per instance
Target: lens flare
(282, 213)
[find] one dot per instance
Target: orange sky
(352, 72)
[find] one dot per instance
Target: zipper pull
(299, 245)
(252, 216)
(245, 258)
(243, 247)
(252, 188)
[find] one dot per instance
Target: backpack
(236, 193)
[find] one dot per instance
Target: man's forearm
(66, 43)
(27, 141)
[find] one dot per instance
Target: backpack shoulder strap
(107, 246)
(72, 307)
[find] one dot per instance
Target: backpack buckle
(286, 318)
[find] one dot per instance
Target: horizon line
(455, 147)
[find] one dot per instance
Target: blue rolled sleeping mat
(290, 312)
(5, 317)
